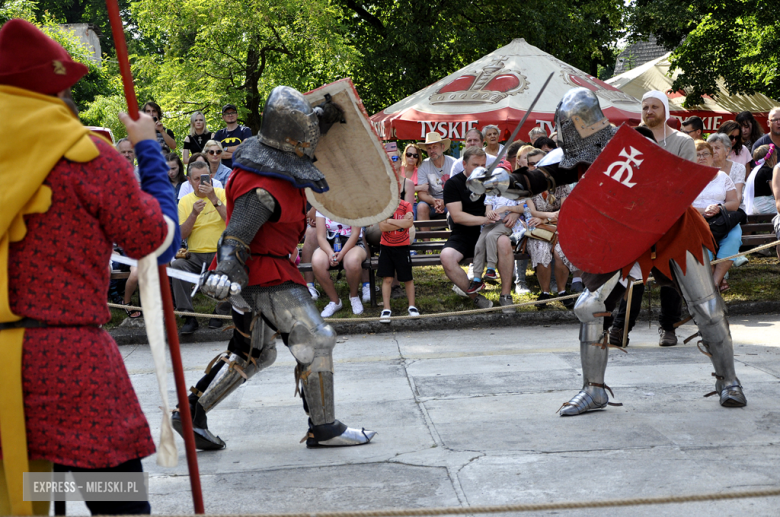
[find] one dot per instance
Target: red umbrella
(497, 89)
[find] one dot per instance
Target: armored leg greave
(709, 313)
(241, 365)
(252, 348)
(590, 309)
(290, 310)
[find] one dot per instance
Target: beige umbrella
(654, 75)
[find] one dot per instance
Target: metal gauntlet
(231, 274)
(232, 255)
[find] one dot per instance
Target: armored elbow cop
(232, 255)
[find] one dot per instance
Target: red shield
(629, 197)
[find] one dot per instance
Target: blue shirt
(222, 174)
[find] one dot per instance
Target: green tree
(236, 51)
(407, 45)
(738, 41)
(24, 9)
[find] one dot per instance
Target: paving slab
(467, 417)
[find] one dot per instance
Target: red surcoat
(276, 240)
(80, 407)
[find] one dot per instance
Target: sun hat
(435, 138)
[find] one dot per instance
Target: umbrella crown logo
(488, 85)
(576, 78)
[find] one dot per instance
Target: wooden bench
(757, 230)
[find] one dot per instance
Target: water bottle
(528, 216)
(337, 244)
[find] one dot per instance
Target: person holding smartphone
(165, 136)
(202, 215)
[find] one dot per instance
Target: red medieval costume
(602, 245)
(67, 196)
(266, 218)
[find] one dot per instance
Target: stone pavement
(468, 417)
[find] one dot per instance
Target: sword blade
(192, 278)
(517, 129)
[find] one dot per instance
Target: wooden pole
(117, 30)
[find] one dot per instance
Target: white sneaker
(459, 291)
(413, 312)
(315, 294)
(331, 309)
(366, 293)
(357, 307)
(385, 316)
(521, 288)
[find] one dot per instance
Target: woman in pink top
(739, 153)
(410, 159)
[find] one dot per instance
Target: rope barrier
(533, 507)
(178, 313)
(439, 314)
(748, 252)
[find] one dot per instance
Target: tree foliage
(407, 45)
(81, 11)
(737, 40)
(237, 51)
(197, 55)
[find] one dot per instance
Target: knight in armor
(266, 218)
(679, 258)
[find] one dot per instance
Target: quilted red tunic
(278, 238)
(80, 407)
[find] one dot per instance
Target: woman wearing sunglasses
(219, 171)
(410, 160)
(739, 153)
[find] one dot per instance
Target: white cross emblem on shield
(625, 166)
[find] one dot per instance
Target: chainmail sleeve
(250, 212)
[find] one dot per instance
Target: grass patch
(758, 280)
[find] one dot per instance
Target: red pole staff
(170, 320)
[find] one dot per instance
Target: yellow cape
(37, 131)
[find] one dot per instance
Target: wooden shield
(363, 184)
(627, 200)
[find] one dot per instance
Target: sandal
(724, 286)
(132, 314)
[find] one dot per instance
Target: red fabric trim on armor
(690, 233)
(278, 238)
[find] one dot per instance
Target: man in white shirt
(431, 176)
(655, 113)
(473, 138)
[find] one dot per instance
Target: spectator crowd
(487, 233)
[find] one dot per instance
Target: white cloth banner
(750, 188)
(151, 300)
